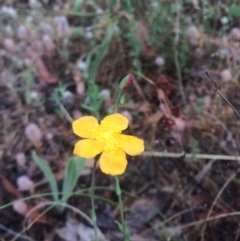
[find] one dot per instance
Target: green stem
(64, 111)
(120, 203)
(93, 214)
(118, 99)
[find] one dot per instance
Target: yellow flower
(106, 137)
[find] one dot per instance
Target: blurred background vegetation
(61, 59)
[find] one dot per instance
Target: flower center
(107, 137)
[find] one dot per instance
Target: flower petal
(88, 148)
(130, 144)
(84, 125)
(113, 163)
(114, 123)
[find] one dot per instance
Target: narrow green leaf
(43, 165)
(73, 170)
(93, 215)
(117, 186)
(77, 5)
(101, 52)
(120, 226)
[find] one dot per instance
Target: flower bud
(126, 82)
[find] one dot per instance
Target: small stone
(235, 33)
(199, 52)
(193, 34)
(34, 95)
(20, 207)
(33, 132)
(207, 101)
(49, 136)
(128, 115)
(10, 45)
(27, 62)
(47, 29)
(155, 4)
(22, 32)
(34, 3)
(24, 183)
(48, 43)
(21, 159)
(63, 28)
(82, 65)
(106, 94)
(159, 61)
(226, 75)
(80, 88)
(224, 20)
(89, 33)
(77, 114)
(9, 11)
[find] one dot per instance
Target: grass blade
(43, 165)
(73, 170)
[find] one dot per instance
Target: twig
(190, 156)
(224, 215)
(216, 89)
(168, 220)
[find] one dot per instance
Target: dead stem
(189, 156)
(214, 85)
(176, 55)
